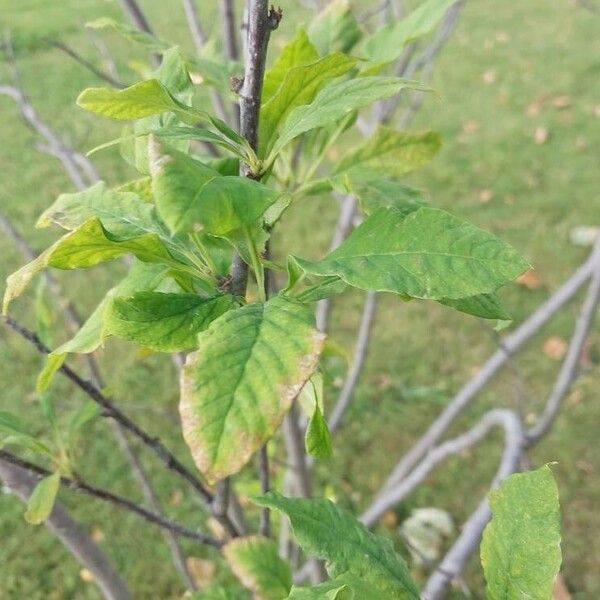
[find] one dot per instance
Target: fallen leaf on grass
(541, 135)
(201, 570)
(530, 280)
(555, 347)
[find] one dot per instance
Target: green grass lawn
(511, 69)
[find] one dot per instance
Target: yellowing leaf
(256, 563)
(237, 387)
(41, 501)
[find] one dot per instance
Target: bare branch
(199, 38)
(265, 486)
(193, 19)
(87, 64)
(468, 541)
(70, 533)
(343, 227)
(138, 18)
(425, 63)
(568, 371)
(79, 169)
(512, 343)
(81, 486)
(358, 361)
(498, 417)
(230, 30)
(104, 51)
(110, 410)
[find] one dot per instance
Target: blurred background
(519, 113)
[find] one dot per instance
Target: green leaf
(84, 247)
(485, 306)
(344, 587)
(386, 44)
(425, 254)
(195, 133)
(335, 28)
(147, 41)
(140, 100)
(391, 153)
(236, 389)
(318, 437)
(256, 563)
(300, 86)
(88, 411)
(191, 197)
(324, 530)
(16, 434)
(375, 192)
(298, 52)
(142, 187)
(122, 213)
(141, 277)
(11, 423)
(53, 363)
(336, 101)
(164, 322)
(41, 501)
(520, 550)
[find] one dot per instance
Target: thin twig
(105, 53)
(110, 410)
(343, 227)
(81, 486)
(230, 30)
(87, 64)
(74, 537)
(54, 146)
(392, 497)
(358, 361)
(199, 38)
(265, 486)
(138, 18)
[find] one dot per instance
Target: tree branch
(497, 417)
(468, 541)
(21, 483)
(87, 64)
(230, 31)
(79, 485)
(110, 410)
(512, 343)
(569, 369)
(358, 361)
(261, 21)
(74, 323)
(199, 38)
(265, 486)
